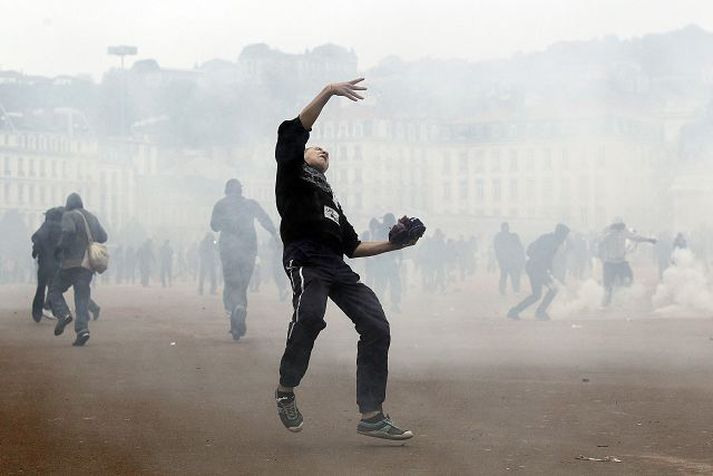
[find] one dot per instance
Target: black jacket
(308, 211)
(46, 239)
(542, 251)
(73, 242)
(234, 217)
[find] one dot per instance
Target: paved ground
(161, 389)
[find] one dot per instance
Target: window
(547, 159)
(547, 189)
(495, 160)
(20, 166)
(478, 162)
(565, 158)
(530, 159)
(497, 192)
(602, 156)
(480, 189)
(446, 163)
(463, 162)
(446, 191)
(463, 190)
(514, 192)
(514, 166)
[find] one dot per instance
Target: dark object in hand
(406, 231)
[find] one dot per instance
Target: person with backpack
(541, 253)
(44, 246)
(80, 230)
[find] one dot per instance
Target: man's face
(317, 158)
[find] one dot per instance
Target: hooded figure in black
(234, 217)
(74, 267)
(44, 245)
(541, 254)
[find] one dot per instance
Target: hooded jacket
(45, 240)
(234, 217)
(73, 242)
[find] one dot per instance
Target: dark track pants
(317, 273)
(514, 273)
(80, 279)
(237, 270)
(44, 279)
(538, 280)
(615, 274)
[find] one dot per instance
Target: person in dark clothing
(510, 256)
(166, 257)
(44, 248)
(118, 258)
(130, 264)
(74, 267)
(207, 255)
(146, 260)
(234, 217)
(541, 252)
(388, 274)
(679, 243)
(44, 245)
(316, 235)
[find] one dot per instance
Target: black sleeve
(216, 218)
(291, 140)
(263, 218)
(35, 243)
(99, 233)
(350, 240)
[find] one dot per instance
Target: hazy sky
(70, 36)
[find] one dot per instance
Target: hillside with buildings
(579, 132)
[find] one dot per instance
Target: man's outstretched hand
(348, 89)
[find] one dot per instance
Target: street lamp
(121, 51)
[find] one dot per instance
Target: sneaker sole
(295, 429)
(81, 340)
(384, 436)
(59, 328)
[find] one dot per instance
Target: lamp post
(121, 51)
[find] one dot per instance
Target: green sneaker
(288, 412)
(381, 426)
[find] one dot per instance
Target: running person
(316, 234)
(234, 217)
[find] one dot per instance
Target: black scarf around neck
(312, 175)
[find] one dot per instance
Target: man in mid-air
(316, 235)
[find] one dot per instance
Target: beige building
(533, 171)
(38, 170)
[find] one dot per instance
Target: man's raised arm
(348, 89)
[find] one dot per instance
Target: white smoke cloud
(685, 289)
(577, 298)
(584, 299)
